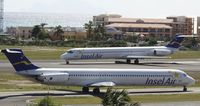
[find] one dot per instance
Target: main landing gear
(95, 90)
(128, 61)
(136, 61)
(66, 61)
(85, 89)
(184, 89)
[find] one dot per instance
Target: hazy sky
(127, 8)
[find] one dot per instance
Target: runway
(20, 98)
(23, 98)
(183, 64)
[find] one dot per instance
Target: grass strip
(134, 98)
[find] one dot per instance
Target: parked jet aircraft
(128, 53)
(97, 77)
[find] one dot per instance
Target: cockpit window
(70, 52)
(184, 75)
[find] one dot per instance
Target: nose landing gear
(184, 89)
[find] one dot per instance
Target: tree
(89, 29)
(43, 34)
(102, 30)
(36, 30)
(194, 42)
(39, 32)
(117, 98)
(46, 101)
(59, 32)
(132, 38)
(96, 32)
(42, 25)
(152, 42)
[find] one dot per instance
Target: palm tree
(46, 101)
(88, 26)
(59, 32)
(102, 30)
(36, 31)
(39, 32)
(42, 25)
(117, 98)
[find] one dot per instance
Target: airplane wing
(101, 84)
(145, 57)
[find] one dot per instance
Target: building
(182, 25)
(70, 33)
(20, 32)
(102, 19)
(160, 31)
(198, 27)
(75, 33)
(1, 15)
(138, 20)
(159, 28)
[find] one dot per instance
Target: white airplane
(97, 77)
(128, 53)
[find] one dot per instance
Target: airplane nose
(63, 56)
(191, 81)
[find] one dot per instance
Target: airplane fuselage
(115, 52)
(124, 77)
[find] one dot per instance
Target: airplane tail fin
(176, 42)
(18, 60)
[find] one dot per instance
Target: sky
(126, 8)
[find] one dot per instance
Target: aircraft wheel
(96, 90)
(184, 89)
(136, 61)
(67, 62)
(119, 62)
(85, 89)
(128, 61)
(116, 62)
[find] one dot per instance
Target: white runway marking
(188, 62)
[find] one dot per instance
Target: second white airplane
(97, 77)
(128, 53)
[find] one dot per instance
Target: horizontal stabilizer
(11, 51)
(188, 36)
(100, 84)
